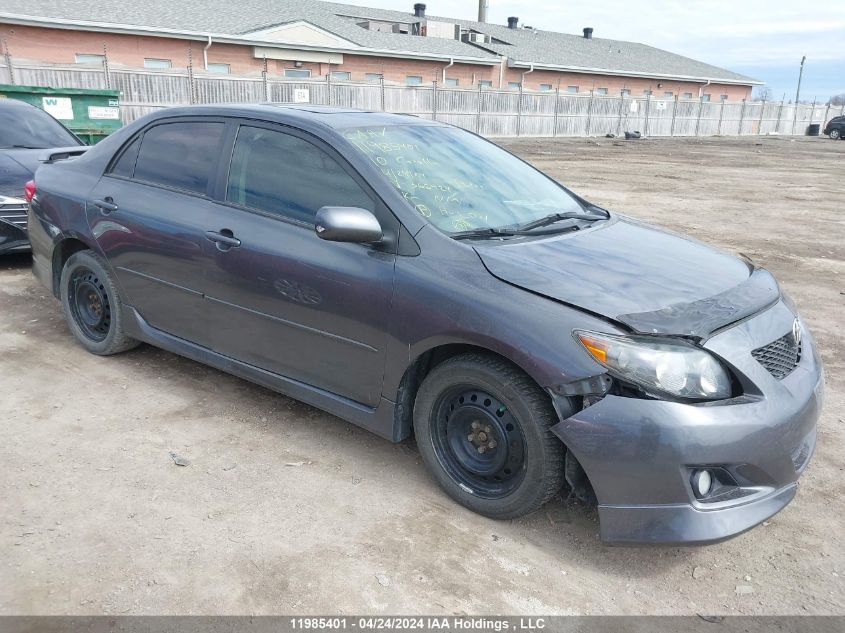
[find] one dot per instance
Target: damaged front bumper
(639, 454)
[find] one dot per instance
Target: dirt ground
(285, 509)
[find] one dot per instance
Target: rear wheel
(483, 430)
(835, 134)
(92, 305)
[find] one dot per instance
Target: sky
(764, 39)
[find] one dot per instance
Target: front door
(148, 214)
(279, 297)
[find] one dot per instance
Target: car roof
(16, 103)
(326, 116)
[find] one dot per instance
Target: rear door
(148, 214)
(282, 299)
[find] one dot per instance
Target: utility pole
(797, 95)
(800, 75)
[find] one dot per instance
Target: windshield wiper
(485, 233)
(529, 227)
(557, 217)
(22, 147)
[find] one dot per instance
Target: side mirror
(347, 224)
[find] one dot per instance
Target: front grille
(13, 213)
(779, 357)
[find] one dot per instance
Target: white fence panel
(408, 100)
(213, 90)
(91, 77)
(686, 118)
(603, 115)
(458, 107)
(751, 120)
(730, 118)
(362, 97)
(770, 113)
(572, 115)
(536, 114)
(660, 112)
(152, 89)
(490, 112)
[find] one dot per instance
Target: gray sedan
(413, 278)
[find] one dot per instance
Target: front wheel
(92, 305)
(835, 134)
(483, 430)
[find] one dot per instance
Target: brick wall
(615, 84)
(40, 44)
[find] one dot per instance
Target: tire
(470, 401)
(835, 134)
(92, 305)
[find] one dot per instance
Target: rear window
(179, 155)
(27, 126)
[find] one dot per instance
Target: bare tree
(838, 100)
(762, 93)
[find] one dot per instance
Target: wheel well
(576, 478)
(416, 373)
(61, 254)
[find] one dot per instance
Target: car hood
(651, 280)
(17, 166)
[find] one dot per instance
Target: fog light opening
(702, 482)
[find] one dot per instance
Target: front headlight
(668, 367)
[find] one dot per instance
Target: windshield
(459, 181)
(31, 127)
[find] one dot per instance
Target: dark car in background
(26, 133)
(835, 128)
(414, 278)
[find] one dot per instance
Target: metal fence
(487, 111)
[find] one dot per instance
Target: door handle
(106, 205)
(224, 239)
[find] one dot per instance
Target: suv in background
(835, 128)
(25, 133)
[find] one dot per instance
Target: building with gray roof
(299, 38)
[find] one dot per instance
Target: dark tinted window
(283, 174)
(125, 164)
(29, 126)
(180, 155)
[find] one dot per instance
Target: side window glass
(180, 155)
(285, 175)
(125, 164)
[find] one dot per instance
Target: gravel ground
(283, 508)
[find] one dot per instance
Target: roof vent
(588, 33)
(419, 10)
(512, 22)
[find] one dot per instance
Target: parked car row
(416, 279)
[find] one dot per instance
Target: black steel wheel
(479, 442)
(483, 428)
(92, 305)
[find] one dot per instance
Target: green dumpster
(90, 114)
